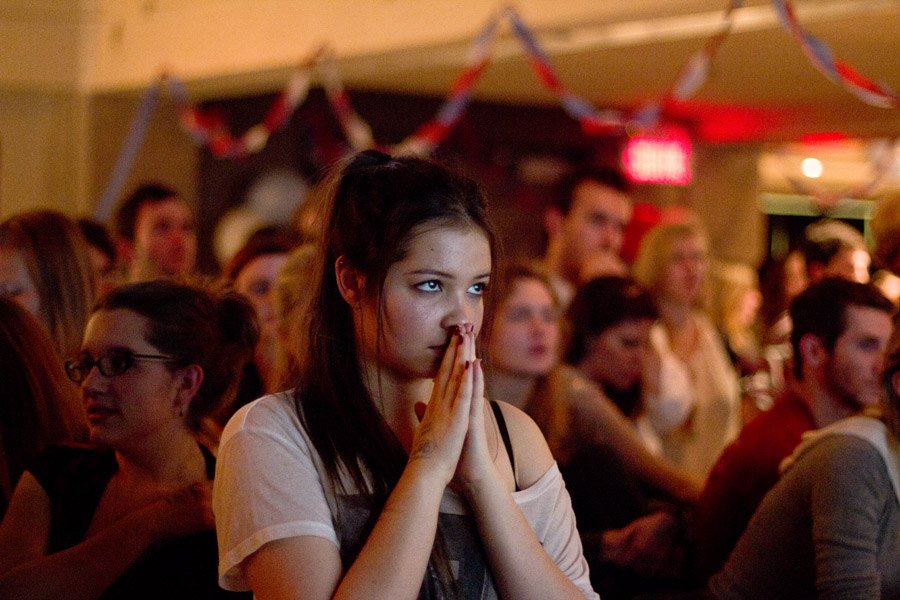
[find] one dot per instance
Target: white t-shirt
(698, 412)
(268, 487)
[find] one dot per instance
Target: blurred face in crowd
(15, 282)
(593, 227)
(525, 334)
(104, 270)
(747, 307)
(615, 357)
(795, 279)
(256, 281)
(853, 369)
(684, 273)
(165, 238)
(851, 264)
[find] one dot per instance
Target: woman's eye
(11, 291)
(517, 314)
(478, 288)
(429, 286)
(259, 287)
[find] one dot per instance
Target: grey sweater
(829, 529)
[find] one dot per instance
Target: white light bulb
(811, 167)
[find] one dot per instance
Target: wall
(42, 151)
(724, 194)
(167, 155)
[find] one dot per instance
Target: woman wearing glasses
(129, 516)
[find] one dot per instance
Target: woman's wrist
(425, 475)
(486, 481)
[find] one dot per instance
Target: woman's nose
(458, 313)
(92, 378)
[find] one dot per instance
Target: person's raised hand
(475, 462)
(444, 421)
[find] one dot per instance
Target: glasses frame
(78, 370)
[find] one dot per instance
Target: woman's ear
(191, 378)
(349, 282)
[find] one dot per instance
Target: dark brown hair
(217, 332)
(890, 409)
(38, 404)
(600, 304)
(374, 209)
(58, 263)
(821, 310)
(126, 215)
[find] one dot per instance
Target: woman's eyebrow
(429, 272)
(439, 273)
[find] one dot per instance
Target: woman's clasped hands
(451, 434)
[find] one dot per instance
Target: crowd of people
(383, 406)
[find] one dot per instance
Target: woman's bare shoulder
(532, 454)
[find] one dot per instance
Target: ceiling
(761, 87)
(616, 54)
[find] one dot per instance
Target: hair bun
(369, 158)
(237, 322)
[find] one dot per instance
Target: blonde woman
(673, 265)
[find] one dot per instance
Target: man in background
(833, 248)
(840, 331)
(157, 235)
(585, 228)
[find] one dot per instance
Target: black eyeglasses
(113, 363)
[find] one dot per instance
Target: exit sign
(650, 159)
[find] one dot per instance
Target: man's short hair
(823, 239)
(600, 304)
(603, 175)
(126, 215)
(821, 310)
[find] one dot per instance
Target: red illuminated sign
(651, 159)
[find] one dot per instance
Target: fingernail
(467, 365)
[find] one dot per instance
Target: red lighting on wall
(658, 159)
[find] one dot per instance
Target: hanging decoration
(691, 77)
(430, 135)
(210, 128)
(128, 154)
(358, 132)
(206, 129)
(833, 68)
(591, 120)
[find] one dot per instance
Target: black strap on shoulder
(504, 433)
(209, 460)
